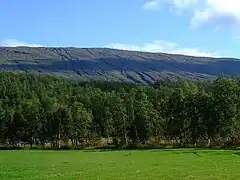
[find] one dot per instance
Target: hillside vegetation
(114, 65)
(49, 111)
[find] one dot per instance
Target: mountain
(112, 64)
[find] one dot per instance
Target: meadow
(122, 164)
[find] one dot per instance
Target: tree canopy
(46, 110)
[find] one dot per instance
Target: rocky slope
(112, 64)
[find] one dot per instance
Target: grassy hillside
(112, 64)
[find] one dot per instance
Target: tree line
(42, 110)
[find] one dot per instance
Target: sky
(190, 27)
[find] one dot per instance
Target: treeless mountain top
(112, 64)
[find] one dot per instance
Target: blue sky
(192, 27)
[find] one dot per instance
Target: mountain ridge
(114, 64)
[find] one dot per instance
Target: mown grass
(125, 164)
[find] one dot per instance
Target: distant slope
(112, 64)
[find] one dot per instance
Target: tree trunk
(209, 142)
(108, 139)
(72, 142)
(125, 138)
(180, 142)
(43, 144)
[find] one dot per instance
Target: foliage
(45, 110)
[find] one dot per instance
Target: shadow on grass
(183, 150)
(11, 148)
(193, 150)
(236, 153)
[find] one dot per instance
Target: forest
(46, 111)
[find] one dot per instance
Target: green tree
(81, 121)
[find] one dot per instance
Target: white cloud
(184, 3)
(209, 12)
(155, 4)
(152, 4)
(200, 17)
(15, 43)
(164, 46)
(217, 12)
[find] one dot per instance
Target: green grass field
(103, 165)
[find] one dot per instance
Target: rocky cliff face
(112, 64)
